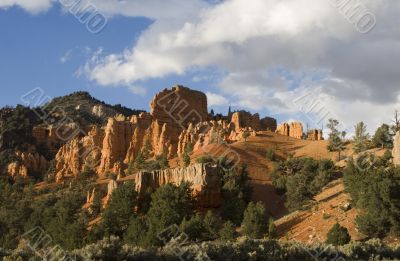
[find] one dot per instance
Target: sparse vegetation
(338, 236)
(301, 179)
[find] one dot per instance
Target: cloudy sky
(291, 59)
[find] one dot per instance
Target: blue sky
(48, 50)
(259, 56)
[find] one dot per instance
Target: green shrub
(270, 154)
(338, 235)
(255, 220)
(228, 231)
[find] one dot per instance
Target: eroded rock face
(396, 149)
(167, 130)
(315, 135)
(73, 156)
(28, 163)
(180, 106)
(205, 180)
(292, 129)
(244, 119)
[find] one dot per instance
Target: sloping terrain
(312, 226)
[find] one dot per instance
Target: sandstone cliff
(292, 129)
(178, 117)
(204, 179)
(27, 164)
(315, 135)
(180, 106)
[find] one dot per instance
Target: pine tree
(255, 220)
(186, 159)
(96, 204)
(336, 138)
(228, 231)
(170, 204)
(361, 137)
(271, 228)
(382, 138)
(212, 225)
(246, 135)
(163, 162)
(338, 235)
(120, 209)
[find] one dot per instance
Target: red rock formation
(180, 106)
(244, 119)
(73, 156)
(204, 179)
(315, 135)
(28, 163)
(293, 129)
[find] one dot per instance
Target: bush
(228, 231)
(270, 154)
(255, 220)
(301, 179)
(338, 235)
(194, 228)
(236, 193)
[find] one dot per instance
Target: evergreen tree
(194, 228)
(236, 193)
(382, 138)
(338, 236)
(212, 112)
(186, 159)
(336, 138)
(246, 135)
(271, 228)
(361, 137)
(228, 231)
(135, 234)
(163, 162)
(170, 204)
(255, 220)
(120, 209)
(212, 225)
(96, 204)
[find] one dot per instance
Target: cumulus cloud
(32, 6)
(250, 41)
(268, 53)
(216, 99)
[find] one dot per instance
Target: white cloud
(66, 57)
(216, 99)
(32, 6)
(248, 41)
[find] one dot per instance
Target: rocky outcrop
(111, 187)
(179, 106)
(178, 117)
(396, 149)
(244, 119)
(204, 179)
(292, 129)
(315, 135)
(27, 164)
(118, 134)
(78, 153)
